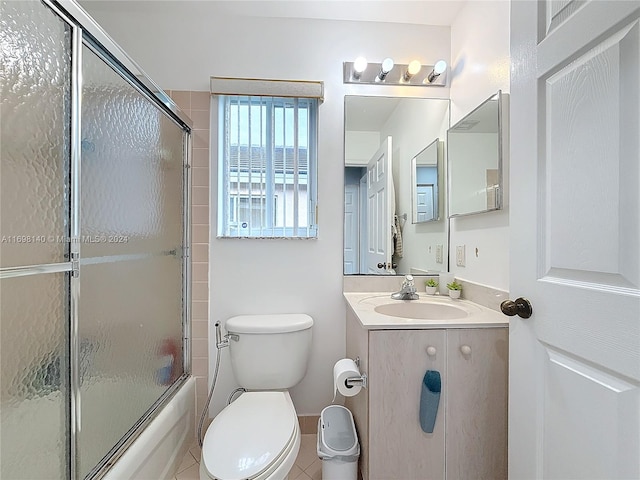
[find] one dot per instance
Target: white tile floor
(306, 467)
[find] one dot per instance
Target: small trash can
(338, 445)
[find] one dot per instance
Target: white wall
(480, 65)
(181, 44)
(360, 147)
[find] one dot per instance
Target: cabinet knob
(465, 349)
(431, 351)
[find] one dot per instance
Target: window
(267, 166)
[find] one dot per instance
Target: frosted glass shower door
(131, 265)
(36, 97)
(93, 266)
(35, 78)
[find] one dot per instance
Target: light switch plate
(439, 253)
(460, 256)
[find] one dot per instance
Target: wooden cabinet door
(398, 448)
(476, 440)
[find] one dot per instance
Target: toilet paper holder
(357, 381)
(360, 381)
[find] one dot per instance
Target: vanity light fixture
(359, 66)
(389, 73)
(385, 68)
(438, 69)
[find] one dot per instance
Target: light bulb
(413, 68)
(385, 68)
(359, 66)
(438, 68)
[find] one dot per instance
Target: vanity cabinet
(469, 441)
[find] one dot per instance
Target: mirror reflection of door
(351, 226)
(425, 201)
(368, 215)
(380, 210)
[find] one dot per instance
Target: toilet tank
(270, 352)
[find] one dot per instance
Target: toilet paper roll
(343, 369)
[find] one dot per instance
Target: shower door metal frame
(85, 31)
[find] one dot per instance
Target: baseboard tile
(308, 424)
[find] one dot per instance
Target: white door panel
(584, 22)
(424, 203)
(596, 438)
(379, 210)
(351, 224)
(575, 247)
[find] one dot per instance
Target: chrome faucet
(408, 290)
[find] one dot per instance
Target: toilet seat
(251, 438)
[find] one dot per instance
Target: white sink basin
(378, 311)
(422, 310)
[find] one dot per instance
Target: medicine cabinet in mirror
(385, 140)
(475, 159)
(425, 204)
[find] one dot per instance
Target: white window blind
(267, 166)
(269, 88)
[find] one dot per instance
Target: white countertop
(470, 315)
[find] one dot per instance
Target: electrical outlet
(460, 256)
(439, 253)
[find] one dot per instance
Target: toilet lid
(249, 435)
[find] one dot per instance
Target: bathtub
(158, 451)
(154, 455)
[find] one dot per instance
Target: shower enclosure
(94, 274)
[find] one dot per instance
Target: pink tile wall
(196, 105)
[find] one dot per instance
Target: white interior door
(362, 246)
(379, 211)
(351, 227)
(424, 203)
(574, 399)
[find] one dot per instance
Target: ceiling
(420, 12)
(368, 113)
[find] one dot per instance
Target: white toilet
(257, 437)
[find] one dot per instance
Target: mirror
(385, 141)
(424, 183)
(474, 151)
